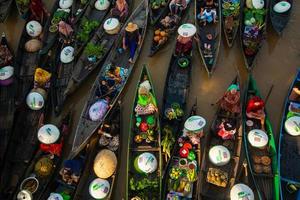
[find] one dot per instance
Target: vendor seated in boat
(38, 11)
(295, 93)
(131, 39)
(120, 10)
(169, 22)
(146, 103)
(227, 129)
(184, 43)
(208, 15)
(255, 109)
(230, 102)
(177, 6)
(71, 171)
(207, 44)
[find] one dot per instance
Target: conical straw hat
(105, 163)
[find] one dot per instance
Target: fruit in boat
(157, 32)
(157, 38)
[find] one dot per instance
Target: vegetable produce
(142, 184)
(87, 26)
(168, 141)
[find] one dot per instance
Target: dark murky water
(276, 65)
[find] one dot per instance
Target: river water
(276, 65)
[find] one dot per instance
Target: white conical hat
(35, 101)
(187, 30)
(24, 195)
(102, 4)
(67, 54)
(65, 4)
(291, 125)
(111, 24)
(55, 196)
(105, 163)
(99, 188)
(147, 162)
(6, 72)
(219, 155)
(258, 138)
(241, 191)
(194, 123)
(34, 28)
(48, 134)
(258, 4)
(282, 7)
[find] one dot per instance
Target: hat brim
(131, 29)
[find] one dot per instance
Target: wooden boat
(110, 134)
(5, 7)
(267, 181)
(157, 9)
(23, 143)
(45, 161)
(229, 147)
(168, 32)
(21, 148)
(115, 60)
(231, 20)
(91, 15)
(279, 20)
(209, 56)
(7, 102)
(175, 97)
(288, 145)
(255, 43)
(26, 63)
(63, 184)
(84, 67)
(171, 184)
(144, 147)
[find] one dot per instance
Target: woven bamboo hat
(105, 164)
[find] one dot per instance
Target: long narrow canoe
(7, 94)
(144, 151)
(89, 17)
(157, 9)
(83, 67)
(158, 26)
(289, 139)
(267, 180)
(110, 135)
(176, 92)
(280, 20)
(171, 184)
(65, 186)
(230, 150)
(26, 63)
(23, 143)
(5, 6)
(46, 160)
(231, 19)
(21, 148)
(250, 43)
(116, 60)
(209, 57)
